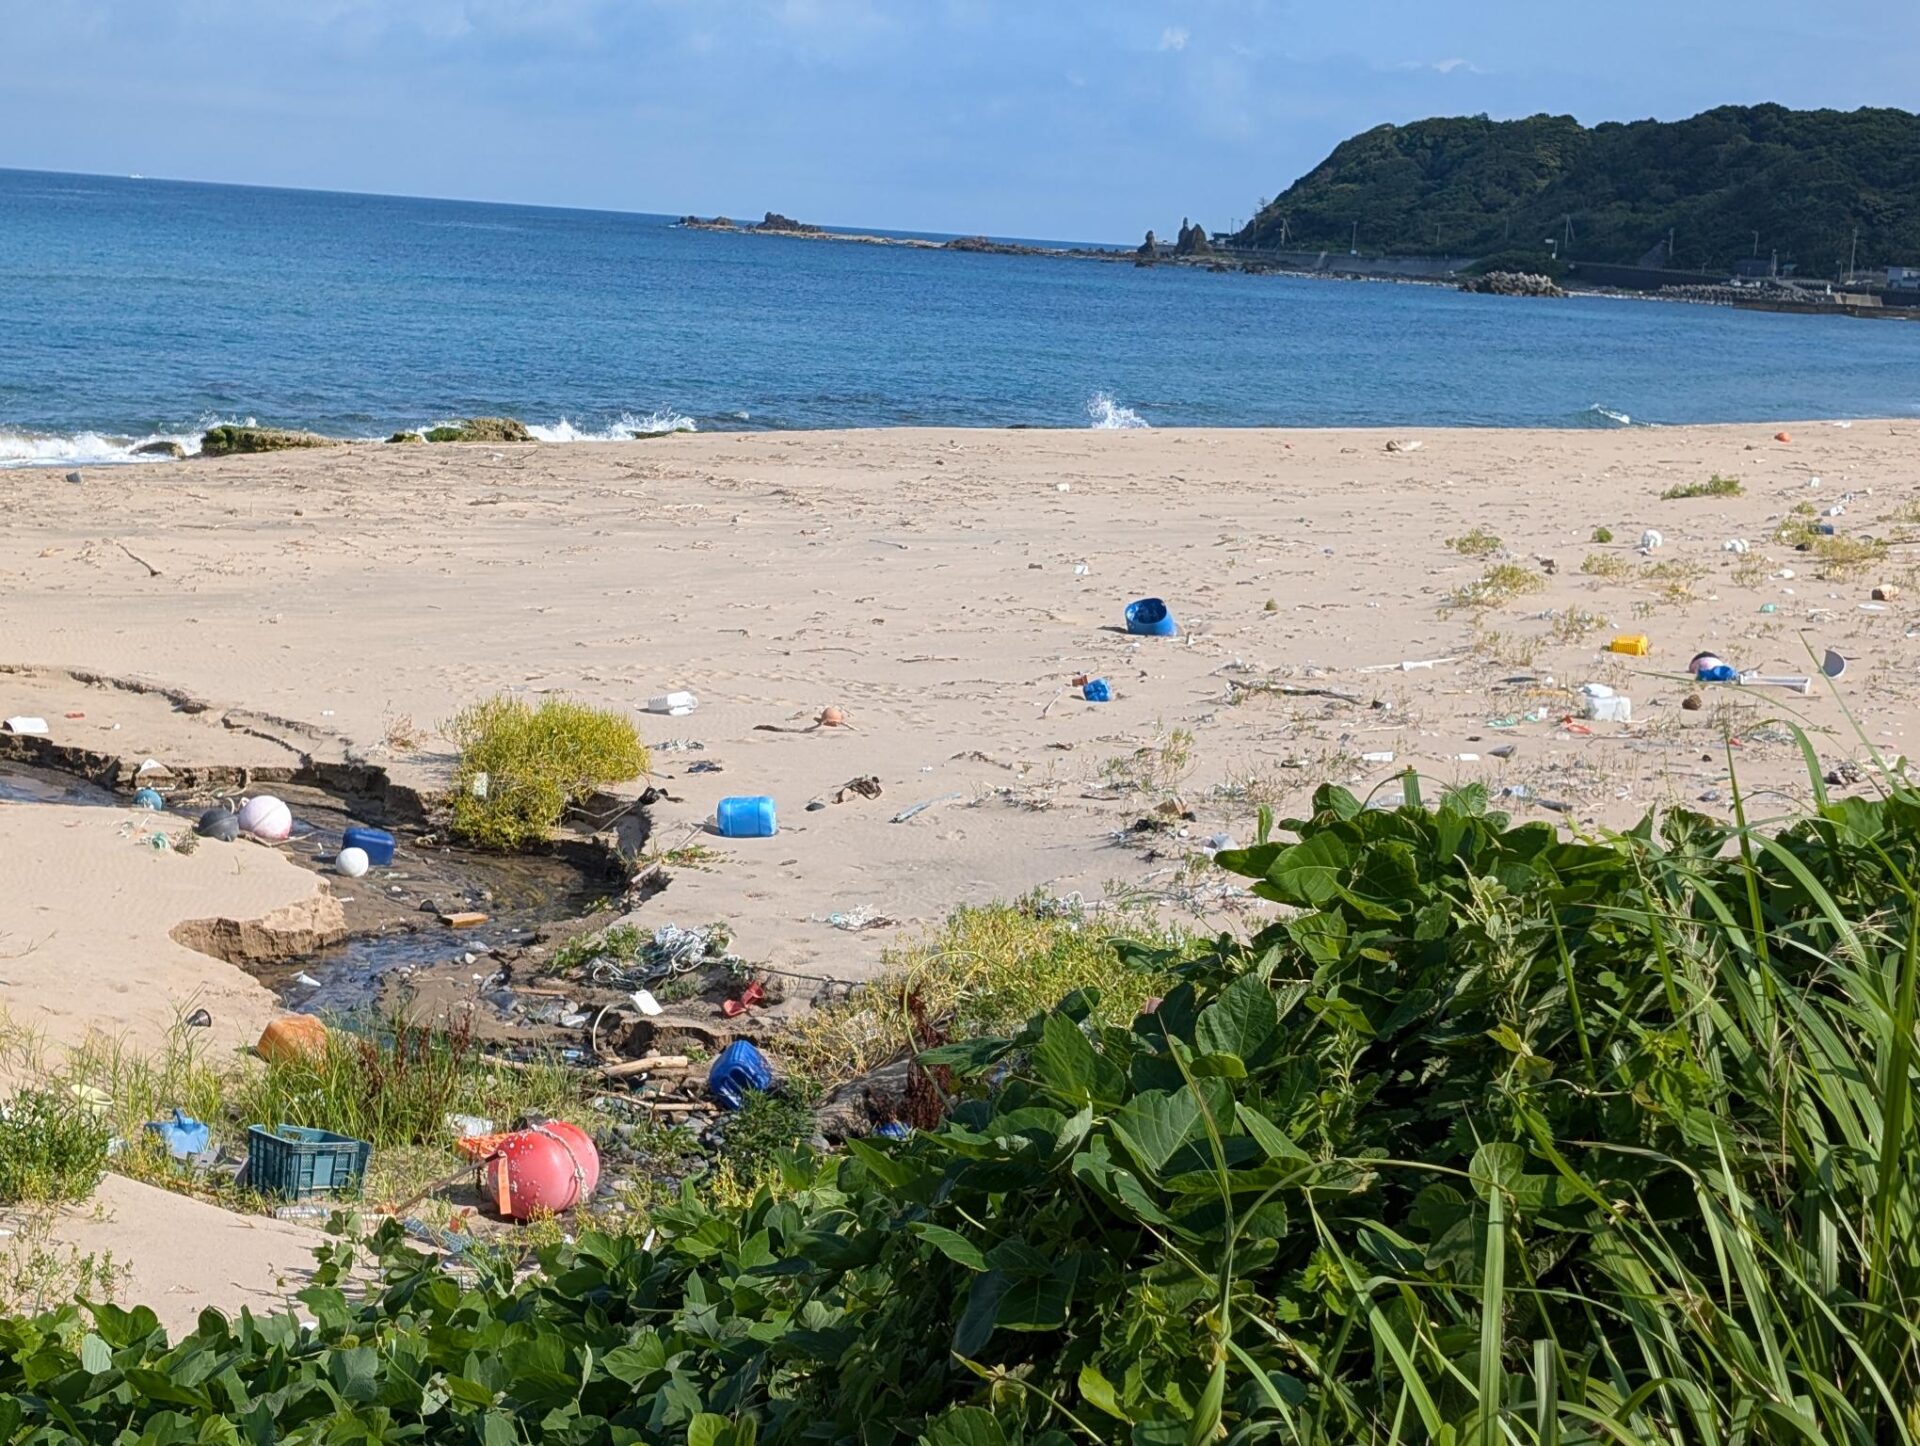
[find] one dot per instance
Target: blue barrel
(745, 817)
(739, 1071)
(376, 843)
(1096, 690)
(1149, 618)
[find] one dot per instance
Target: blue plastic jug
(745, 817)
(182, 1135)
(376, 843)
(739, 1071)
(1718, 673)
(1149, 617)
(1096, 690)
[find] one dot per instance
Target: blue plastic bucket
(739, 1071)
(745, 817)
(1149, 618)
(376, 843)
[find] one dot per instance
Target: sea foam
(84, 449)
(1104, 414)
(653, 424)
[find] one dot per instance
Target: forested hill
(1471, 186)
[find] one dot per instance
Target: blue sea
(133, 310)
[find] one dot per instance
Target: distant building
(1903, 278)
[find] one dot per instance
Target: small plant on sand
(1674, 578)
(1495, 586)
(1573, 625)
(1508, 650)
(1156, 769)
(1752, 569)
(1608, 566)
(1602, 535)
(521, 766)
(1714, 486)
(1844, 557)
(53, 1148)
(1477, 543)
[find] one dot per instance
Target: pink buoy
(543, 1170)
(266, 817)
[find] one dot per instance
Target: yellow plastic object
(1635, 645)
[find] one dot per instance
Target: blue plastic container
(1149, 618)
(1718, 673)
(149, 798)
(299, 1163)
(745, 817)
(1096, 690)
(739, 1071)
(376, 843)
(893, 1130)
(182, 1135)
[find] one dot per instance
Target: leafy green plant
(1477, 543)
(1497, 585)
(1610, 566)
(522, 765)
(1714, 486)
(52, 1147)
(1844, 557)
(1602, 535)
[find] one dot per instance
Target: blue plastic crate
(298, 1163)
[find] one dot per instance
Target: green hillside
(1472, 186)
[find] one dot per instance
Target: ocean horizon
(143, 311)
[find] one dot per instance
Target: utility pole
(1756, 244)
(1670, 245)
(1353, 246)
(1853, 255)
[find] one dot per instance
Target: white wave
(1620, 419)
(653, 424)
(86, 449)
(1104, 414)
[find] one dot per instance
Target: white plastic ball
(266, 817)
(351, 862)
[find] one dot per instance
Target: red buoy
(542, 1170)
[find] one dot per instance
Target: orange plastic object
(291, 1037)
(540, 1171)
(1636, 645)
(1783, 436)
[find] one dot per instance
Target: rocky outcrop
(774, 221)
(481, 429)
(166, 448)
(1192, 240)
(1512, 283)
(289, 932)
(1150, 247)
(405, 437)
(228, 441)
(716, 223)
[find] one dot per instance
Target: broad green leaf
(1269, 1136)
(964, 1426)
(1308, 874)
(707, 1429)
(1066, 1062)
(1098, 1392)
(1155, 1124)
(950, 1243)
(96, 1356)
(1240, 1022)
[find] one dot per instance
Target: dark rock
(774, 221)
(1192, 241)
(481, 429)
(1512, 283)
(858, 1107)
(164, 448)
(403, 437)
(1150, 247)
(228, 441)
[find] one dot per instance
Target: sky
(1082, 120)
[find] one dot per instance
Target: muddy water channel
(393, 914)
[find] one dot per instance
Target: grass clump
(1574, 625)
(985, 969)
(522, 765)
(53, 1148)
(1608, 566)
(1157, 769)
(1495, 586)
(1838, 558)
(1714, 486)
(1477, 543)
(1602, 535)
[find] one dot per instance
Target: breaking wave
(1104, 414)
(87, 449)
(653, 424)
(1598, 415)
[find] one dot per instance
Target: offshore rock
(228, 441)
(1512, 283)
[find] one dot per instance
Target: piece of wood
(644, 1064)
(463, 921)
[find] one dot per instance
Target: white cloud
(1175, 37)
(1447, 67)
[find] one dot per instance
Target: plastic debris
(183, 1135)
(149, 798)
(25, 725)
(738, 1071)
(1097, 690)
(1651, 541)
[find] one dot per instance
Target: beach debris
(1097, 690)
(25, 725)
(1150, 617)
(1395, 444)
(306, 980)
(644, 1001)
(376, 843)
(1614, 708)
(1845, 773)
(1793, 683)
(673, 705)
(266, 818)
(738, 1071)
(1833, 665)
(151, 765)
(866, 786)
(149, 798)
(1886, 592)
(75, 478)
(1693, 702)
(292, 1037)
(481, 782)
(832, 716)
(1383, 755)
(755, 993)
(1634, 645)
(1412, 665)
(1783, 436)
(916, 809)
(675, 950)
(199, 1019)
(465, 1127)
(351, 862)
(219, 824)
(745, 816)
(1504, 751)
(1711, 668)
(1768, 609)
(463, 919)
(545, 1168)
(1735, 544)
(1651, 540)
(857, 921)
(182, 1135)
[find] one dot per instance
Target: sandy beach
(943, 588)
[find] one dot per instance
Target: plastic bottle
(750, 816)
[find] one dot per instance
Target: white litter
(1735, 544)
(1384, 756)
(674, 705)
(1650, 541)
(1610, 709)
(644, 1001)
(24, 724)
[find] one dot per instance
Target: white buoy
(266, 817)
(351, 862)
(1650, 541)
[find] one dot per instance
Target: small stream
(392, 913)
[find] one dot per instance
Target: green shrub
(1477, 543)
(1497, 585)
(1714, 486)
(52, 1148)
(1603, 535)
(522, 765)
